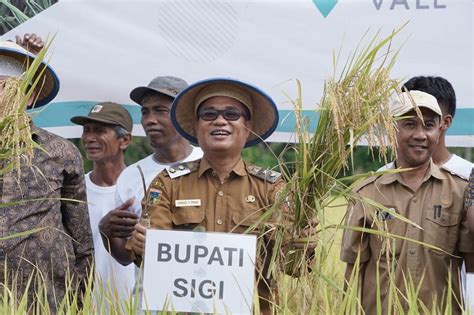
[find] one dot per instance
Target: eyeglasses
(228, 114)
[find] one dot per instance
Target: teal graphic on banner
(325, 6)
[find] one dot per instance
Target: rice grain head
(16, 144)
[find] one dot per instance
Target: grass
(319, 292)
(327, 278)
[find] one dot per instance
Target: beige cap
(407, 101)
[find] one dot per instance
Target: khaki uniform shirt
(232, 206)
(437, 206)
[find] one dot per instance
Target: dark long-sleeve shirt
(64, 243)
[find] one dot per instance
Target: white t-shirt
(458, 165)
(113, 276)
(129, 183)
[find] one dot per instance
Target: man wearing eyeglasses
(223, 116)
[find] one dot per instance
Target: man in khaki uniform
(428, 196)
(220, 192)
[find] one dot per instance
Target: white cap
(406, 101)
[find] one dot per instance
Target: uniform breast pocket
(391, 227)
(244, 219)
(441, 229)
(188, 218)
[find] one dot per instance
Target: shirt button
(412, 251)
(415, 199)
(219, 221)
(220, 193)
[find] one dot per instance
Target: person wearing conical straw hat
(427, 195)
(223, 116)
(63, 245)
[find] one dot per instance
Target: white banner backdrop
(103, 49)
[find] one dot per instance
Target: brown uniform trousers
(437, 206)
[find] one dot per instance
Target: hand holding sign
(138, 239)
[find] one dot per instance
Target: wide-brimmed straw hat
(49, 87)
(263, 111)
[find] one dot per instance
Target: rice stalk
(354, 107)
(16, 143)
(319, 292)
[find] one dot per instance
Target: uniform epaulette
(180, 169)
(265, 174)
(365, 182)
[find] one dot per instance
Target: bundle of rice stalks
(354, 107)
(16, 144)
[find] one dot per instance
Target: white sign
(199, 272)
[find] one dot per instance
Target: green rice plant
(354, 106)
(320, 292)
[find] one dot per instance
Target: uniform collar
(433, 170)
(239, 168)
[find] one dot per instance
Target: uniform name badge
(188, 203)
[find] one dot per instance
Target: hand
(308, 236)
(138, 239)
(31, 42)
(119, 222)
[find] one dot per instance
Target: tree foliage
(15, 12)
